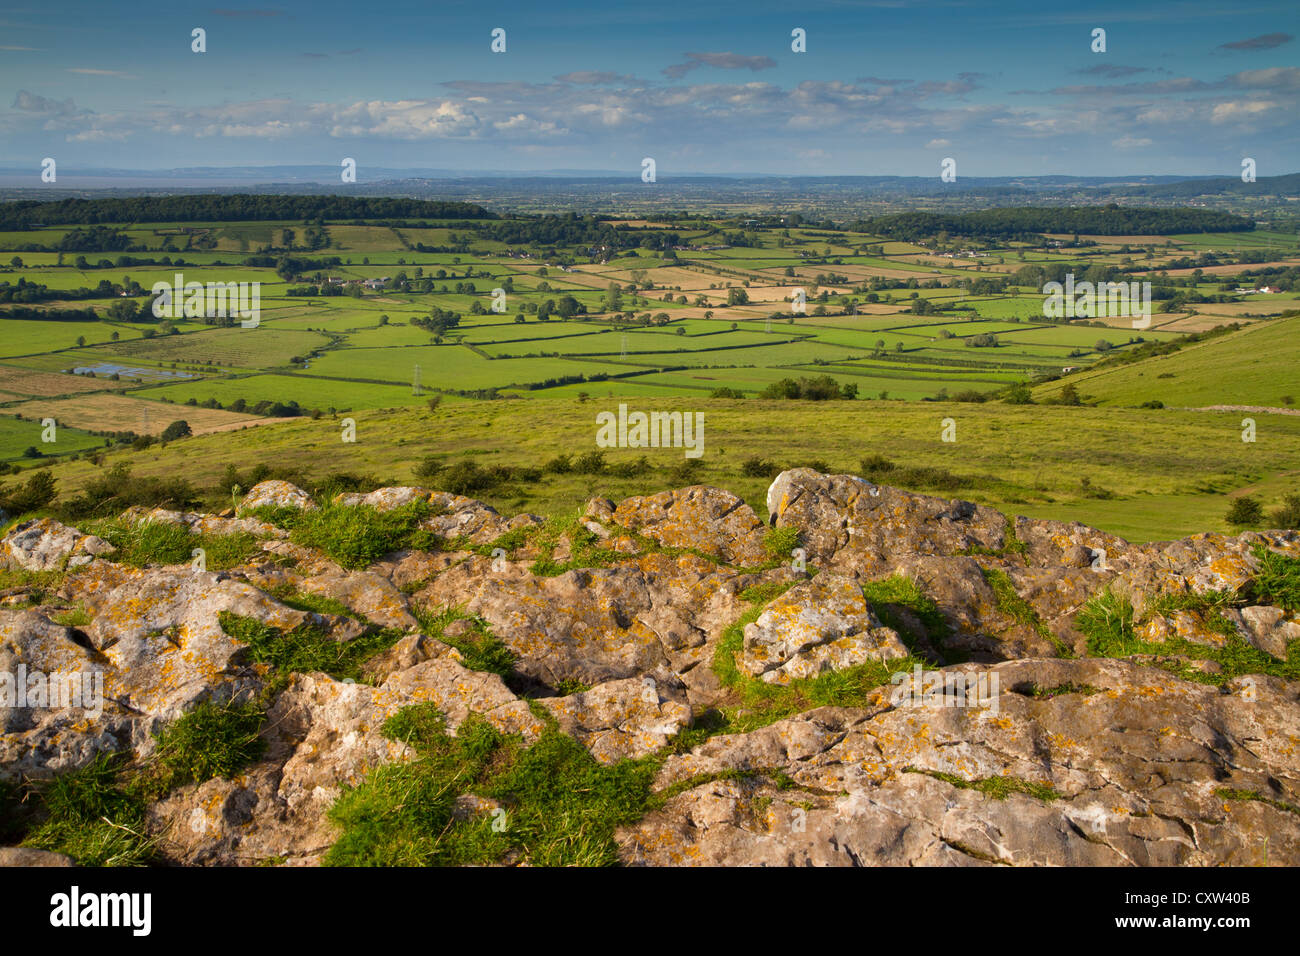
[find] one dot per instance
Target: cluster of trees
(228, 208)
(1247, 512)
(818, 389)
(265, 408)
(438, 321)
(1026, 221)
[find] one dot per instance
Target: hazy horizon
(881, 88)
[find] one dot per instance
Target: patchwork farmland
(455, 307)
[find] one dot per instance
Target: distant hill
(1288, 185)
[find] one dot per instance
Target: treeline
(50, 315)
(24, 291)
(1021, 223)
(228, 208)
(571, 229)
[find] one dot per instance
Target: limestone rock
(625, 718)
(24, 856)
(277, 494)
(713, 521)
(822, 625)
(43, 544)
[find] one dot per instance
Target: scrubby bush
(1288, 515)
(1244, 512)
(36, 493)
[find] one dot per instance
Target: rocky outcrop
(277, 494)
(44, 544)
(1015, 743)
(1132, 770)
(823, 625)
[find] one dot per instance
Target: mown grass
(556, 805)
(1157, 482)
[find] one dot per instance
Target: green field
(892, 327)
(1255, 366)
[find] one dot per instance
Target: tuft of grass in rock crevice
(355, 536)
(1109, 623)
(306, 648)
(890, 597)
(1228, 793)
(481, 649)
(41, 585)
(1010, 603)
(290, 596)
(95, 814)
(755, 703)
(212, 740)
(142, 543)
(1277, 581)
(553, 804)
(999, 788)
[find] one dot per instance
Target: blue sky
(885, 88)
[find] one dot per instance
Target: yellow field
(30, 383)
(121, 413)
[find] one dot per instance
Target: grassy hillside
(1253, 366)
(1143, 474)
